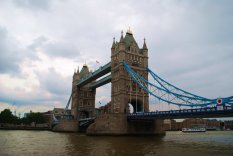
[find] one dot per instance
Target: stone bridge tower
(125, 92)
(83, 98)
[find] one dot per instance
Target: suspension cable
(130, 90)
(136, 99)
(143, 100)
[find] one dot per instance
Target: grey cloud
(61, 49)
(10, 53)
(54, 82)
(53, 48)
(38, 42)
(33, 4)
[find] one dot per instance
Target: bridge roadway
(213, 112)
(103, 70)
(101, 82)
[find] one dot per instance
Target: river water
(17, 143)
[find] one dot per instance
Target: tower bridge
(128, 73)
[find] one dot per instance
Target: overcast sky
(42, 42)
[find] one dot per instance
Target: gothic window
(81, 103)
(127, 87)
(85, 94)
(134, 86)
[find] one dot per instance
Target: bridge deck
(95, 75)
(101, 82)
(226, 111)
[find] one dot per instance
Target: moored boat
(193, 129)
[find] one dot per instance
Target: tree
(6, 116)
(33, 117)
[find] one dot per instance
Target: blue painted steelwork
(170, 94)
(101, 82)
(219, 111)
(95, 75)
(69, 102)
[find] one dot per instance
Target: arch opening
(135, 106)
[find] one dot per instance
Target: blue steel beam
(95, 75)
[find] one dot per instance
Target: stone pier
(117, 124)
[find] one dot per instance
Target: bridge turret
(144, 45)
(113, 46)
(76, 75)
(121, 44)
(145, 53)
(83, 98)
(76, 78)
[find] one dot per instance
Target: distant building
(193, 122)
(60, 112)
(104, 109)
(167, 124)
(47, 116)
(228, 124)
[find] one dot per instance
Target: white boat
(193, 129)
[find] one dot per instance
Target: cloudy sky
(42, 42)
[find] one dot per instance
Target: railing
(219, 110)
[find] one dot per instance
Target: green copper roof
(129, 39)
(84, 72)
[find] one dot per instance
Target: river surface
(19, 142)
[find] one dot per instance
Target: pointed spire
(144, 44)
(121, 40)
(74, 72)
(78, 70)
(113, 44)
(129, 31)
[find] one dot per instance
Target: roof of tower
(84, 71)
(129, 39)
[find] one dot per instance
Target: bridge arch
(135, 105)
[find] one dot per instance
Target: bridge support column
(146, 127)
(117, 124)
(109, 124)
